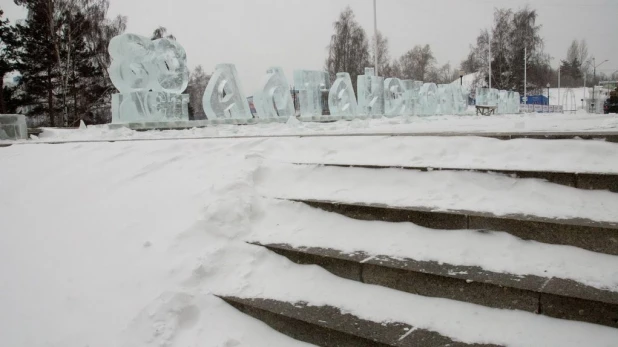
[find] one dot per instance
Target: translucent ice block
(428, 97)
(411, 96)
(341, 99)
(445, 99)
(516, 102)
(223, 97)
(156, 106)
(274, 98)
(482, 96)
(313, 87)
(460, 96)
(370, 93)
(394, 98)
(131, 55)
(139, 64)
(169, 65)
(13, 127)
(503, 102)
(494, 96)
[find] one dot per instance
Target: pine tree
(63, 58)
(37, 63)
(7, 59)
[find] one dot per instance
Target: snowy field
(532, 122)
(127, 243)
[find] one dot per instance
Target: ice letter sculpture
(482, 96)
(150, 75)
(494, 96)
(313, 89)
(341, 99)
(428, 99)
(370, 93)
(446, 100)
(515, 102)
(223, 97)
(394, 101)
(411, 96)
(503, 102)
(274, 99)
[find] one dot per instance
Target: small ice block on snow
(13, 127)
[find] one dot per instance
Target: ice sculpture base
(13, 127)
(189, 124)
(149, 107)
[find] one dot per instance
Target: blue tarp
(536, 100)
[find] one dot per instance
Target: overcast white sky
(294, 33)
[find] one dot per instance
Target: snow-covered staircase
(548, 256)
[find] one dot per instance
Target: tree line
(513, 36)
(350, 51)
(60, 51)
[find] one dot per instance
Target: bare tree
(514, 35)
(197, 84)
(348, 50)
(417, 63)
(383, 54)
(391, 69)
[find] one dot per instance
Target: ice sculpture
(494, 95)
(274, 99)
(510, 102)
(150, 75)
(460, 97)
(370, 93)
(411, 96)
(428, 99)
(445, 99)
(13, 127)
(223, 97)
(341, 99)
(394, 98)
(170, 64)
(313, 87)
(516, 103)
(149, 106)
(503, 102)
(482, 95)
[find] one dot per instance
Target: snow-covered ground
(532, 122)
(126, 243)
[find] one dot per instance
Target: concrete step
(590, 181)
(595, 236)
(554, 297)
(329, 327)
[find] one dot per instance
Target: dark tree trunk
(50, 97)
(2, 107)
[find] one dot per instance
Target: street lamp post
(375, 30)
(547, 94)
(489, 53)
(525, 75)
(594, 78)
(559, 100)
